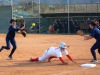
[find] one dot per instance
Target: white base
(88, 65)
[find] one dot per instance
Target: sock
(34, 59)
(60, 58)
(69, 57)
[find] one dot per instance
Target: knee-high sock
(69, 57)
(34, 59)
(93, 54)
(60, 58)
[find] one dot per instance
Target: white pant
(44, 56)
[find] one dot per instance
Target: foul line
(73, 71)
(70, 71)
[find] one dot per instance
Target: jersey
(53, 51)
(12, 31)
(95, 32)
(22, 23)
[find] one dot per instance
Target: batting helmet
(21, 17)
(62, 45)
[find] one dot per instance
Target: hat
(21, 17)
(62, 45)
(12, 20)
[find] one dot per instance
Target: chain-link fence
(30, 8)
(33, 10)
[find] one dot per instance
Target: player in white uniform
(54, 52)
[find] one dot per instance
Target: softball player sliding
(53, 52)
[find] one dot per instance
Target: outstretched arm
(15, 28)
(87, 37)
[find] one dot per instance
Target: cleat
(94, 60)
(31, 59)
(1, 49)
(9, 57)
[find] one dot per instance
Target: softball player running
(53, 52)
(10, 37)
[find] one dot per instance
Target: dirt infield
(34, 46)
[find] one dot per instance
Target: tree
(44, 7)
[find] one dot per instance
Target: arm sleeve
(92, 33)
(60, 58)
(69, 57)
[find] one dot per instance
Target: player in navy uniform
(95, 33)
(10, 37)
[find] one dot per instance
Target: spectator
(51, 28)
(32, 28)
(99, 21)
(37, 26)
(94, 20)
(60, 26)
(22, 23)
(71, 23)
(76, 26)
(55, 24)
(83, 21)
(88, 22)
(65, 25)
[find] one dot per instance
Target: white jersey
(53, 51)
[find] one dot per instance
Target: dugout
(49, 15)
(46, 19)
(78, 16)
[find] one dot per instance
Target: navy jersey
(95, 32)
(22, 21)
(12, 31)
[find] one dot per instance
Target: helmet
(21, 17)
(62, 45)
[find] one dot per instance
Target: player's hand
(65, 63)
(74, 62)
(19, 31)
(85, 39)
